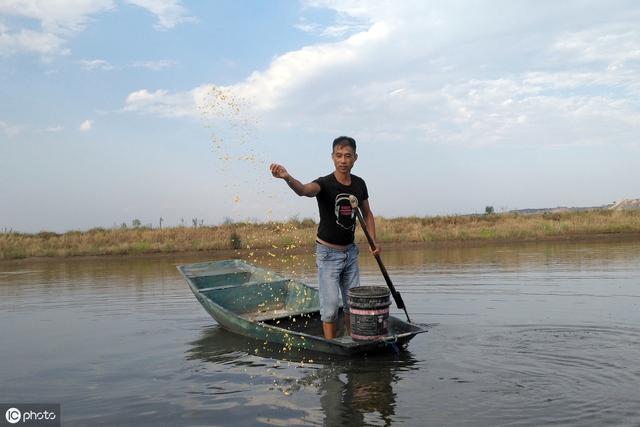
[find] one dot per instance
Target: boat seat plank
(282, 282)
(274, 314)
(208, 271)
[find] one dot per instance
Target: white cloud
(86, 126)
(497, 111)
(54, 129)
(154, 65)
(162, 103)
(342, 27)
(292, 70)
(307, 27)
(30, 41)
(169, 12)
(9, 130)
(56, 16)
(452, 72)
(104, 65)
(610, 44)
(59, 20)
(263, 89)
(95, 64)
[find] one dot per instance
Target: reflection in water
(512, 255)
(358, 393)
(447, 257)
(352, 392)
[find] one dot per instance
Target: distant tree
(136, 223)
(161, 223)
(488, 210)
(194, 221)
(123, 226)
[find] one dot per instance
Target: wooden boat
(263, 305)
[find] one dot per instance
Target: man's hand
(278, 171)
(375, 251)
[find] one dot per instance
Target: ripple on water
(565, 372)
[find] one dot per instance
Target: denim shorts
(338, 272)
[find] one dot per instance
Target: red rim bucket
(369, 312)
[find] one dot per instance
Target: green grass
(275, 236)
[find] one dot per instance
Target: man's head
(344, 153)
(344, 140)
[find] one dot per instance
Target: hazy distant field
(277, 237)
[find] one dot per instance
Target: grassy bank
(277, 236)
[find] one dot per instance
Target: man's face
(343, 158)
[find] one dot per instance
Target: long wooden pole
(396, 295)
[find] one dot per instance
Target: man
(336, 252)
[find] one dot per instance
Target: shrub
(46, 235)
(308, 223)
(236, 242)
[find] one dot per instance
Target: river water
(527, 334)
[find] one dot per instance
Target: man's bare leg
(329, 330)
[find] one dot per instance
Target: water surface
(527, 334)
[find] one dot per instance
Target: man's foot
(329, 330)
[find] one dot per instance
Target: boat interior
(253, 293)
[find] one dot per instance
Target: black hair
(344, 140)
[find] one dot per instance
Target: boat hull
(269, 308)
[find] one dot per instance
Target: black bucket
(369, 311)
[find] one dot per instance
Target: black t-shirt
(337, 218)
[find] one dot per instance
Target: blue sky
(114, 110)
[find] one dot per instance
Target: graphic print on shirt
(345, 215)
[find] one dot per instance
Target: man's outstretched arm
(309, 190)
